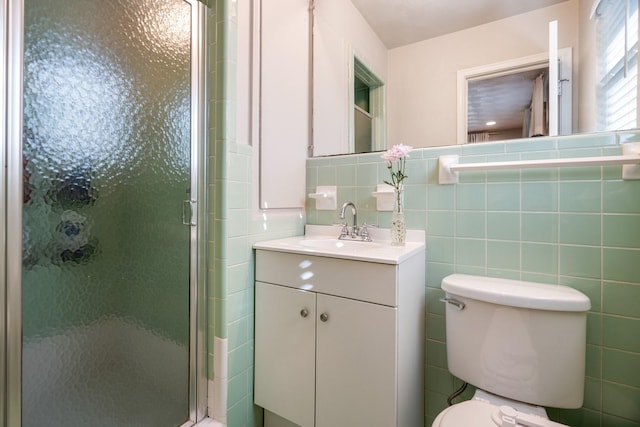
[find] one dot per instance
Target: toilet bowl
(516, 342)
(487, 410)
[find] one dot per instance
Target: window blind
(617, 45)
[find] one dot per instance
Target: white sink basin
(322, 240)
(337, 244)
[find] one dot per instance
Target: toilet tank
(521, 340)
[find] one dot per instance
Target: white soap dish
(385, 195)
(326, 197)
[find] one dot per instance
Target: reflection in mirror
(368, 130)
(510, 99)
(362, 118)
(340, 35)
(420, 75)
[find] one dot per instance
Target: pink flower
(396, 152)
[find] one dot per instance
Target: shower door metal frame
(12, 147)
(198, 235)
(11, 190)
(3, 209)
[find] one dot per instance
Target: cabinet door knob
(324, 317)
(304, 312)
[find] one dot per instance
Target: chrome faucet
(354, 212)
(354, 231)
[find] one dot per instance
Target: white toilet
(521, 344)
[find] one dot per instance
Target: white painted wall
(266, 97)
(421, 89)
(339, 32)
(284, 102)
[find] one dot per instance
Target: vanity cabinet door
(356, 360)
(285, 348)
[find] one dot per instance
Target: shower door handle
(188, 207)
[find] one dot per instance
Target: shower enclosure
(101, 253)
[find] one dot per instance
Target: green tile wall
(578, 227)
(234, 224)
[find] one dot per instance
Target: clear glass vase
(398, 224)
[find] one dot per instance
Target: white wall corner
(217, 388)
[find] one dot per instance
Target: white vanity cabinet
(285, 352)
(340, 342)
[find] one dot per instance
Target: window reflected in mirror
(362, 118)
(368, 121)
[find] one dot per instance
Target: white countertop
(322, 240)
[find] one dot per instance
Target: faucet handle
(364, 231)
(344, 231)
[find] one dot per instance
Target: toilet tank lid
(516, 293)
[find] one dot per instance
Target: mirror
(424, 51)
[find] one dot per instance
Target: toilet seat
(469, 413)
(480, 413)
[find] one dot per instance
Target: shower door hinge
(188, 209)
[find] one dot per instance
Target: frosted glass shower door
(107, 167)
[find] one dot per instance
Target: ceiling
(401, 22)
